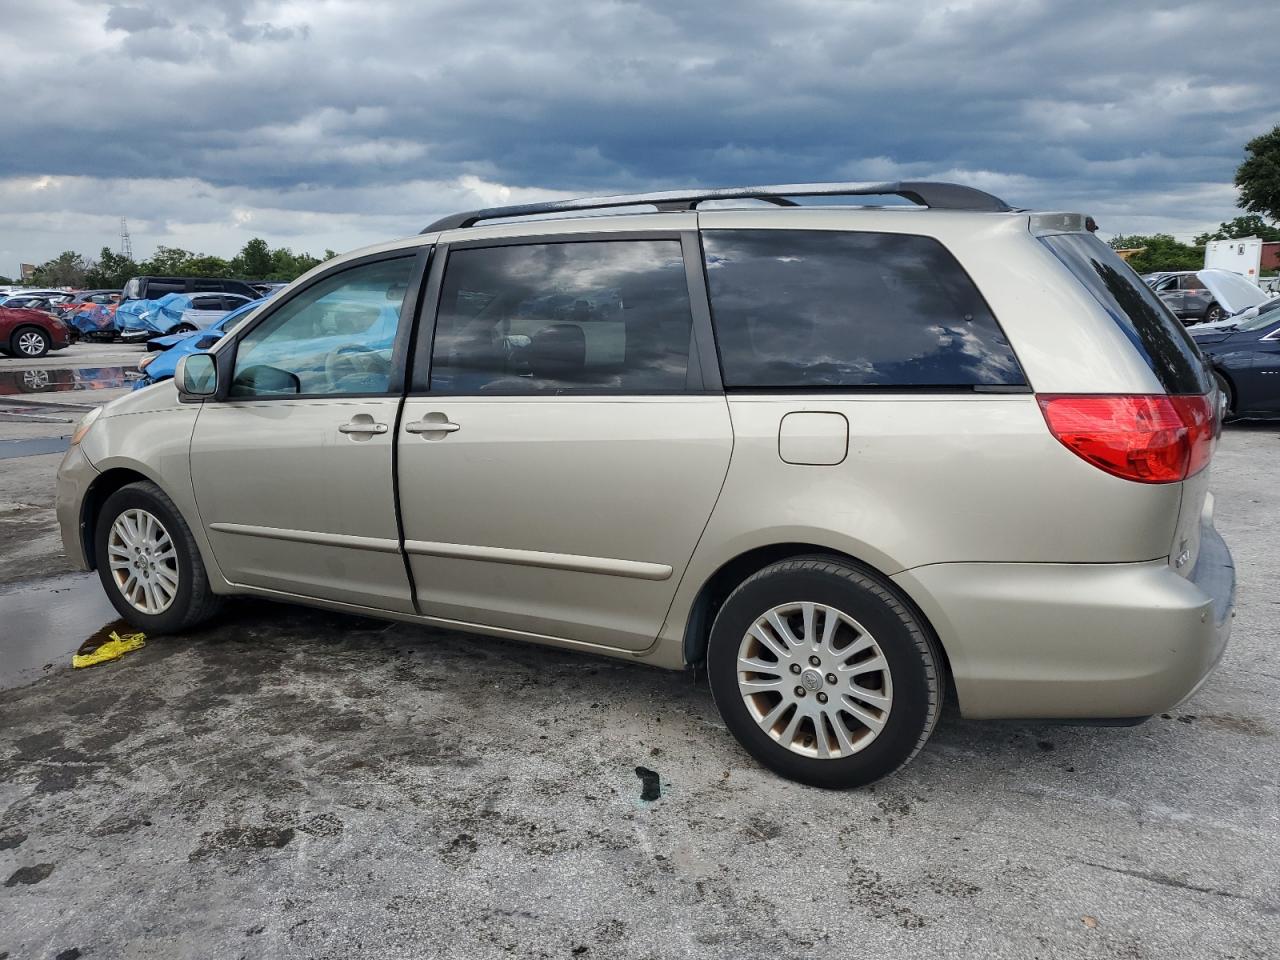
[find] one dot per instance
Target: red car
(31, 333)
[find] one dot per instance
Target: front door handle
(363, 426)
(431, 426)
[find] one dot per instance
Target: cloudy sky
(333, 123)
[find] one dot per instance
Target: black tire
(1212, 313)
(1228, 391)
(194, 602)
(907, 644)
(34, 343)
(182, 328)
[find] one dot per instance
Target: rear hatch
(1151, 439)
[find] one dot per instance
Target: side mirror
(196, 377)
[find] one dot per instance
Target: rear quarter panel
(927, 479)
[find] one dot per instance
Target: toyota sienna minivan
(845, 459)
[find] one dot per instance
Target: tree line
(111, 270)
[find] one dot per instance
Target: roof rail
(939, 196)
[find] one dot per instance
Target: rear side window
(1145, 320)
(820, 308)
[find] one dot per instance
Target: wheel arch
(717, 587)
(103, 486)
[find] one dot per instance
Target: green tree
(253, 262)
(6, 281)
(67, 269)
(1159, 251)
(203, 265)
(1249, 226)
(166, 262)
(112, 271)
(1258, 177)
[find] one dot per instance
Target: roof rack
(938, 196)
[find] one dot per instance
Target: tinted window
(336, 337)
(158, 288)
(816, 308)
(1146, 321)
(564, 317)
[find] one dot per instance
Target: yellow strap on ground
(115, 648)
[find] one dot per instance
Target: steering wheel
(354, 359)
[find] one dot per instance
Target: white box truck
(1239, 256)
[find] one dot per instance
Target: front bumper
(75, 474)
(1078, 641)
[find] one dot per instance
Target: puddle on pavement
(37, 380)
(44, 622)
(32, 447)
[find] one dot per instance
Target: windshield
(1268, 314)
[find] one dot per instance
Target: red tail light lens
(1148, 439)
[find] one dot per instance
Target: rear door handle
(362, 426)
(431, 426)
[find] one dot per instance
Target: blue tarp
(134, 316)
(93, 317)
(169, 310)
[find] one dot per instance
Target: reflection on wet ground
(36, 380)
(43, 623)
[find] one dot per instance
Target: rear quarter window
(821, 308)
(1156, 333)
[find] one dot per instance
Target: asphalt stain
(73, 953)
(650, 786)
(241, 838)
(29, 875)
(12, 840)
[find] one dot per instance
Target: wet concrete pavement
(45, 622)
(289, 783)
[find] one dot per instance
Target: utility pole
(126, 245)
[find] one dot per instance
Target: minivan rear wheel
(148, 561)
(823, 673)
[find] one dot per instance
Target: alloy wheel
(144, 561)
(815, 680)
(31, 343)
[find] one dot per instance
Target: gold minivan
(845, 458)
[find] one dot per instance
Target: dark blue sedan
(1246, 360)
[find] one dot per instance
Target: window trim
(421, 257)
(876, 388)
(703, 364)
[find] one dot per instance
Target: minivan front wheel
(823, 673)
(148, 561)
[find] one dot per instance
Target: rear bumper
(1078, 641)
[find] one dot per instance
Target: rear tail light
(1149, 439)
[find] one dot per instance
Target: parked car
(844, 459)
(46, 303)
(1230, 322)
(173, 313)
(1206, 296)
(153, 288)
(93, 320)
(77, 301)
(161, 364)
(1246, 360)
(31, 333)
(266, 288)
